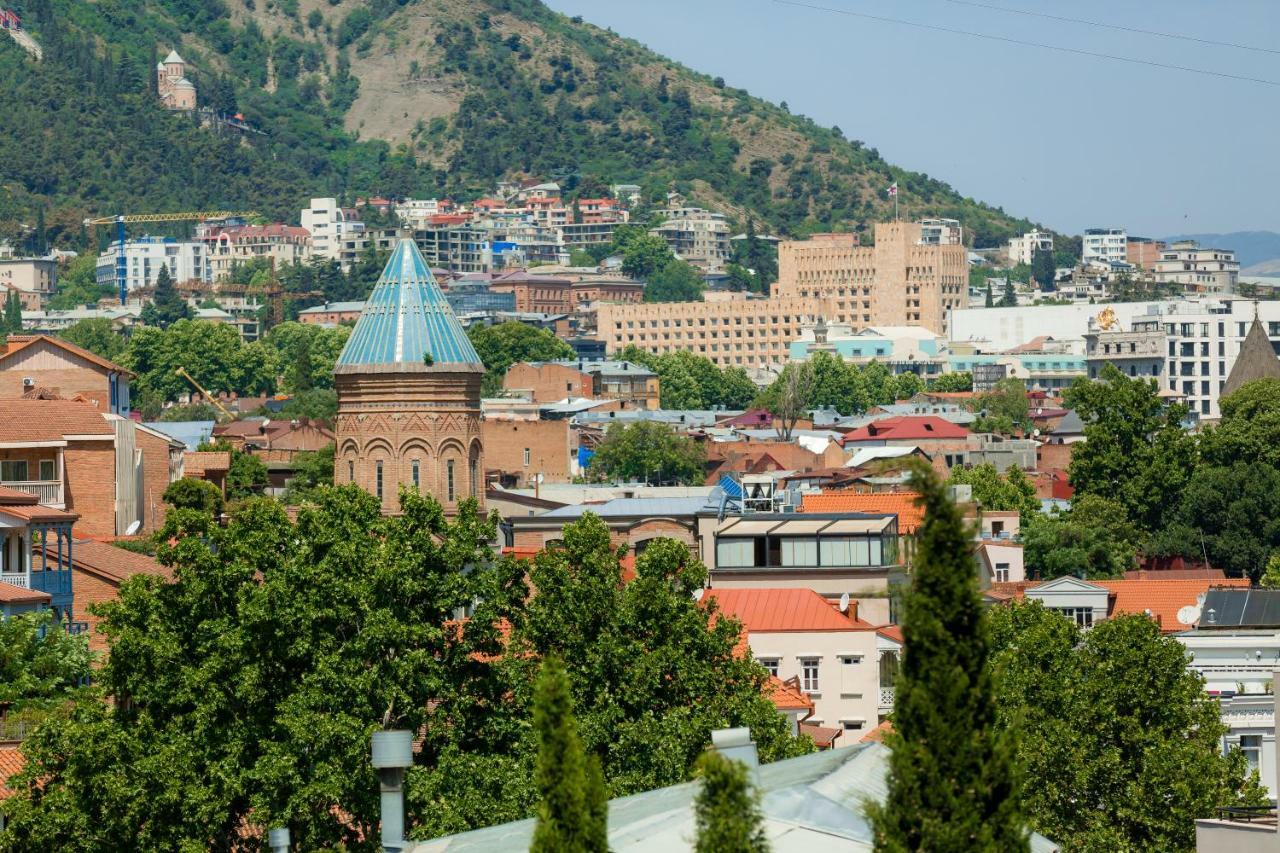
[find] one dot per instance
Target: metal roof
(405, 318)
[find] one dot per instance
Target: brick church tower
(408, 384)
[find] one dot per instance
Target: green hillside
(356, 97)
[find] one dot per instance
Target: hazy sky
(1071, 141)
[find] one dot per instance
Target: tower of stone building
(408, 384)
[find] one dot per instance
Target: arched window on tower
(379, 479)
(449, 478)
(416, 482)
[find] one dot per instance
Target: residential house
(525, 452)
(35, 556)
(795, 633)
(40, 362)
(934, 435)
(1175, 605)
(109, 470)
(553, 381)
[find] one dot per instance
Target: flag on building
(893, 189)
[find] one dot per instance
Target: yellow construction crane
(182, 371)
(123, 220)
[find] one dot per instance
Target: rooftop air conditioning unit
(28, 382)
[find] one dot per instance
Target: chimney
(736, 744)
(392, 753)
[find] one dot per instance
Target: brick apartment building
(552, 381)
(903, 280)
(536, 294)
(906, 279)
(51, 366)
(519, 450)
(109, 470)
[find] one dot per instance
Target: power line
(1119, 27)
(1006, 39)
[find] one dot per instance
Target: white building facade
(1104, 246)
(1022, 250)
(330, 225)
(1198, 268)
(144, 257)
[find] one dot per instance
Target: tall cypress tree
(572, 817)
(727, 810)
(990, 297)
(953, 777)
(13, 313)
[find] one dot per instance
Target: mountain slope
(446, 96)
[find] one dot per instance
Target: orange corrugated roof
(1162, 598)
(903, 504)
(47, 420)
(11, 764)
(891, 632)
(768, 610)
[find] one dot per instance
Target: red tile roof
(906, 428)
(37, 512)
(903, 504)
(196, 463)
(772, 610)
(115, 564)
(49, 420)
(10, 594)
(11, 764)
(823, 737)
(1161, 598)
(17, 343)
(892, 632)
(10, 497)
(787, 695)
(877, 734)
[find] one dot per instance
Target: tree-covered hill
(393, 97)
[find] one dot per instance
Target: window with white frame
(809, 675)
(1082, 616)
(1251, 747)
(770, 664)
(852, 725)
(1002, 572)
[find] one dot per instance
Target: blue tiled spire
(405, 318)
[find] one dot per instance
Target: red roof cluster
(771, 610)
(905, 505)
(906, 428)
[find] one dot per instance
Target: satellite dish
(844, 602)
(1189, 614)
(698, 593)
(133, 528)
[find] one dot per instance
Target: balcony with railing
(886, 698)
(18, 579)
(47, 492)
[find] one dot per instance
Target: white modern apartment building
(1104, 246)
(940, 232)
(1198, 268)
(1022, 250)
(330, 226)
(187, 261)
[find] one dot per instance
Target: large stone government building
(408, 384)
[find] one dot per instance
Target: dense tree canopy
(98, 336)
(40, 666)
(1119, 743)
(648, 452)
(994, 491)
(1093, 539)
(675, 281)
(506, 344)
(212, 353)
(690, 381)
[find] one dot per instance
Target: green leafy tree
(1094, 539)
(1135, 450)
(953, 775)
(727, 811)
(256, 677)
(994, 491)
(1231, 514)
(789, 397)
(647, 452)
(1249, 430)
(1043, 269)
(907, 385)
(13, 313)
(674, 282)
(166, 307)
(572, 814)
(1004, 408)
(98, 335)
(41, 665)
(1106, 716)
(247, 476)
(952, 382)
(213, 353)
(505, 344)
(78, 285)
(1010, 297)
(990, 301)
(736, 390)
(1271, 575)
(306, 354)
(198, 495)
(311, 471)
(644, 255)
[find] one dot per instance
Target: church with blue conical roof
(408, 384)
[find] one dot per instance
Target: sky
(1067, 140)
